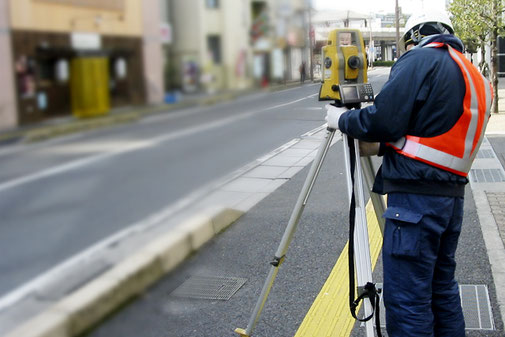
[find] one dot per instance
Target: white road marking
(97, 147)
(307, 85)
(289, 103)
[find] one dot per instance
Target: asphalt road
(58, 198)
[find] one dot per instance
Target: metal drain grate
(209, 287)
(476, 307)
(475, 303)
(487, 175)
(485, 154)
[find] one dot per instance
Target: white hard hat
(438, 21)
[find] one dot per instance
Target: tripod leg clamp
(278, 261)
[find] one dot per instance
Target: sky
(387, 6)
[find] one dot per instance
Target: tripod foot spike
(241, 332)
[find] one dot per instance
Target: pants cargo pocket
(405, 231)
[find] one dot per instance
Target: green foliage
(472, 19)
(170, 71)
(169, 76)
(479, 23)
(383, 63)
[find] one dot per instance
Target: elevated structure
(378, 32)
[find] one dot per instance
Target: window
(212, 3)
(46, 69)
(214, 48)
(62, 73)
(120, 68)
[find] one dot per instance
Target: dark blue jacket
(423, 97)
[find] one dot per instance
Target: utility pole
(397, 15)
(311, 46)
(371, 46)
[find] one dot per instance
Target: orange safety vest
(455, 150)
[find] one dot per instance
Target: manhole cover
(209, 287)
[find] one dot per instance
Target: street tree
(480, 22)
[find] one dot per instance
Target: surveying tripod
(362, 263)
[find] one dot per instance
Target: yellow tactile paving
(329, 315)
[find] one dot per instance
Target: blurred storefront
(81, 56)
(236, 44)
(211, 49)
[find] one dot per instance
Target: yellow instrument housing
(345, 48)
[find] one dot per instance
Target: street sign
(86, 41)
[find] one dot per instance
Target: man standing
(302, 72)
(430, 119)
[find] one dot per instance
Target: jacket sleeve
(388, 119)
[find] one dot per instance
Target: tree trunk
(494, 67)
(482, 63)
(494, 55)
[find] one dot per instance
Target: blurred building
(236, 44)
(59, 55)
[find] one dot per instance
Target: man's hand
(368, 149)
(333, 115)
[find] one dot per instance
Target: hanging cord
(369, 290)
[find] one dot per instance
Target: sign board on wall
(86, 41)
(277, 63)
(166, 33)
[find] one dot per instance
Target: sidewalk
(496, 124)
(245, 249)
(68, 125)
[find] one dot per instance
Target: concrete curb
(77, 126)
(84, 308)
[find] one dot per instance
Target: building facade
(80, 56)
(236, 44)
(8, 112)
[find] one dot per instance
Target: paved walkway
(481, 261)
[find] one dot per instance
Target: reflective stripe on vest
(455, 150)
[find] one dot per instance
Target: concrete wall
(186, 26)
(152, 52)
(54, 16)
(8, 114)
(186, 34)
(232, 22)
(237, 53)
